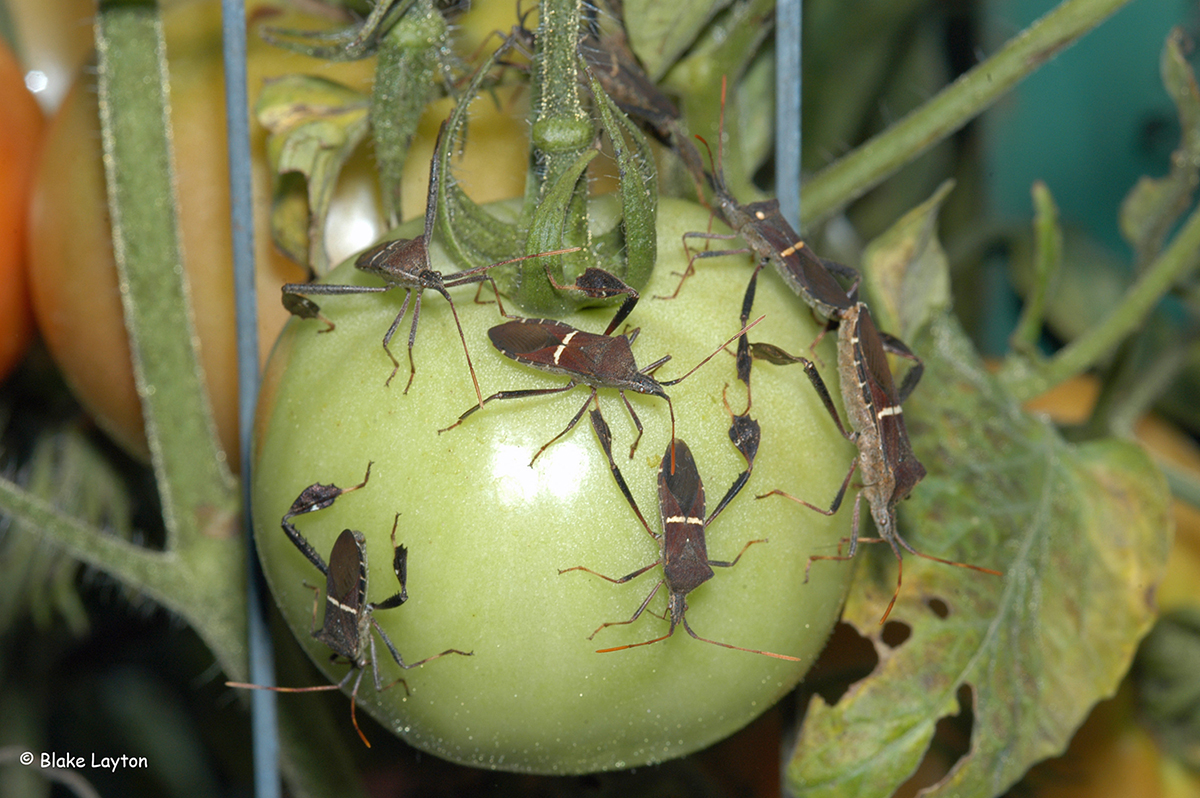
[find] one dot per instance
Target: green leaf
(660, 32)
(638, 189)
(409, 61)
(549, 232)
(1081, 534)
(905, 270)
(315, 124)
(1154, 205)
(472, 236)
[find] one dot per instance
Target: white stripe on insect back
(340, 605)
(684, 519)
(565, 343)
(792, 250)
(893, 410)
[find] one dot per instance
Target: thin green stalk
(562, 132)
(408, 61)
(1046, 265)
(562, 128)
(203, 552)
(135, 134)
(134, 565)
(1027, 380)
(851, 177)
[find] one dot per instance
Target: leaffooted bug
(404, 263)
(771, 239)
(598, 361)
(745, 434)
(684, 553)
(890, 469)
(600, 284)
(349, 617)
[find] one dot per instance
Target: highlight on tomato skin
(20, 137)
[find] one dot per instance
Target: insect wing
(398, 262)
(528, 339)
(883, 401)
(345, 592)
(803, 270)
(552, 345)
(681, 502)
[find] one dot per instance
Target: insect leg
(570, 426)
(510, 395)
(734, 561)
(837, 500)
(400, 568)
(605, 436)
(637, 614)
(387, 339)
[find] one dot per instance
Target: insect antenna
(688, 629)
(324, 688)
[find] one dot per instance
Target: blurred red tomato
(19, 137)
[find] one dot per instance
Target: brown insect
(349, 617)
(404, 263)
(889, 468)
(598, 361)
(684, 552)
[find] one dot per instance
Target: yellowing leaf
(1081, 534)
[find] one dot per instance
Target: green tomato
(488, 535)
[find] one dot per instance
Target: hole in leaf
(848, 657)
(939, 607)
(951, 742)
(895, 633)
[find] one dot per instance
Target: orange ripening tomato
(73, 274)
(19, 138)
(74, 279)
